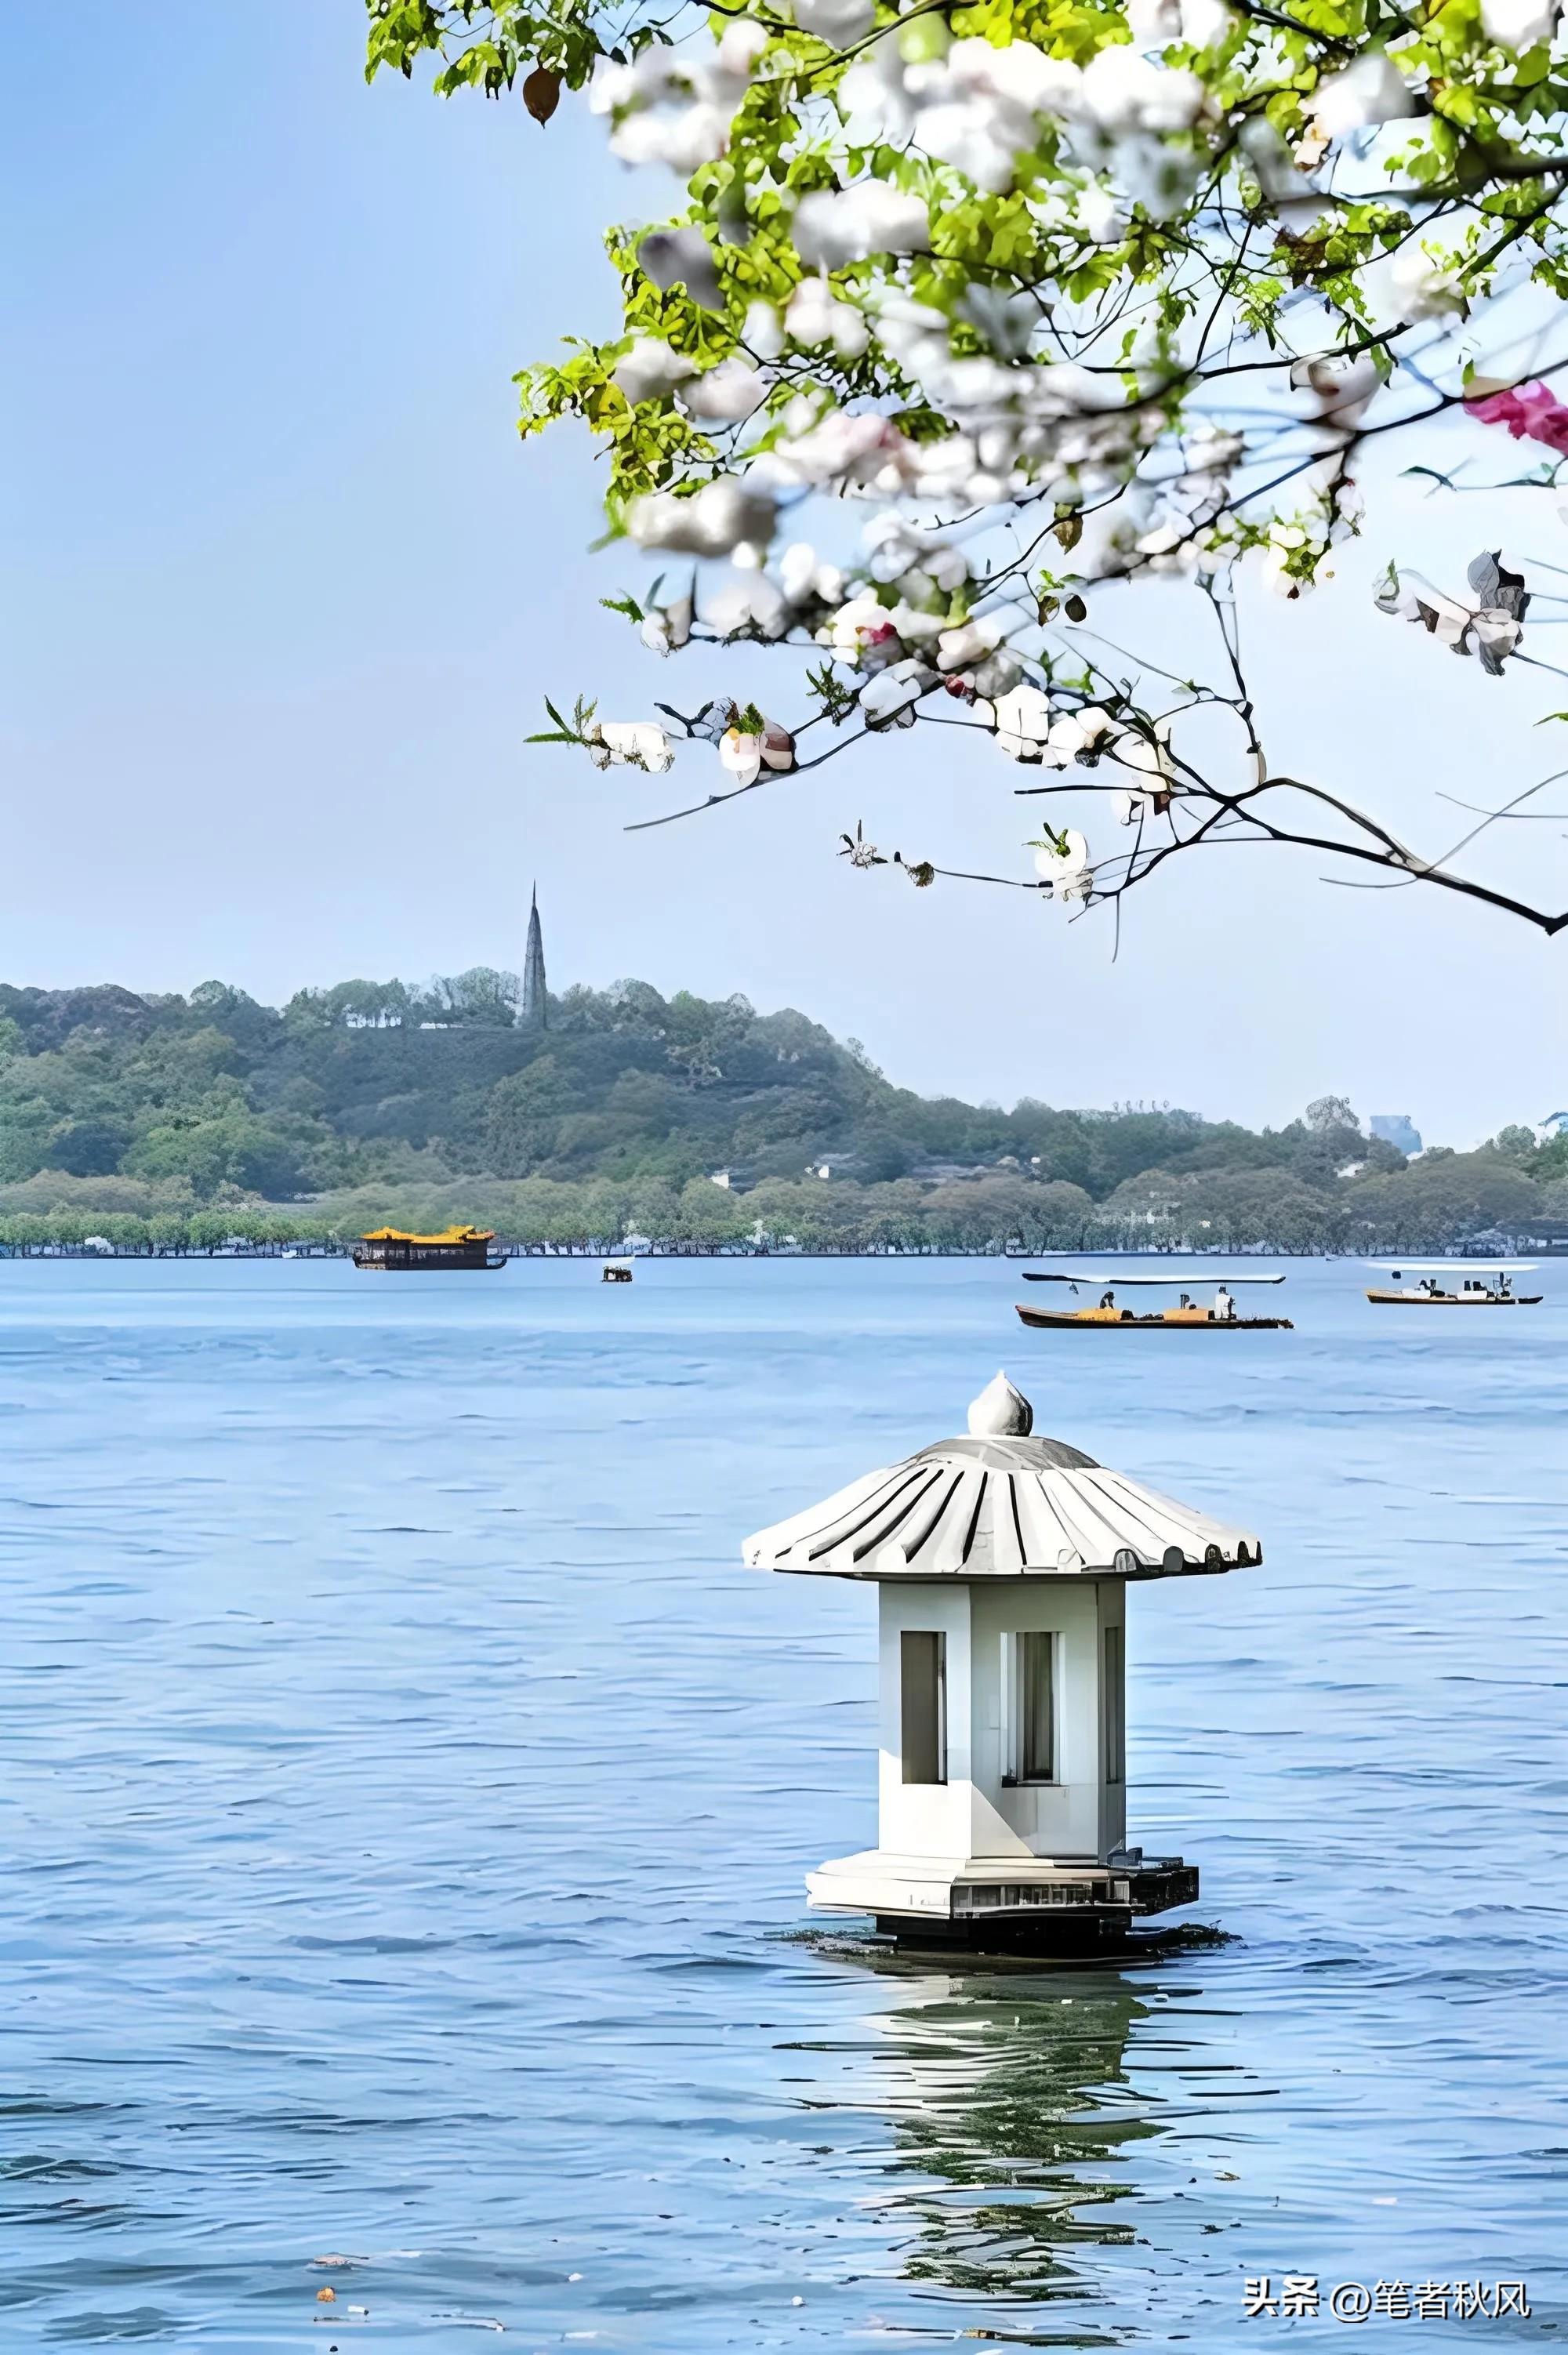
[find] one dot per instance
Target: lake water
(406, 1796)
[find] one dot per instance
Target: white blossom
(742, 753)
(1023, 727)
(1007, 322)
(803, 579)
(763, 332)
(1425, 285)
(841, 22)
(1489, 626)
(1138, 751)
(1073, 733)
(849, 452)
(836, 226)
(1286, 540)
(862, 631)
(674, 106)
(1125, 92)
(1018, 75)
(998, 674)
(897, 550)
(1518, 23)
(859, 851)
(1158, 24)
(968, 643)
(972, 136)
(667, 628)
(683, 138)
(916, 625)
(727, 394)
(815, 316)
(631, 743)
(1369, 91)
(1067, 871)
(1344, 384)
(980, 107)
(890, 698)
(1153, 24)
(747, 600)
(874, 99)
(746, 753)
(1099, 216)
(1151, 173)
(712, 522)
(682, 257)
(1204, 23)
(651, 368)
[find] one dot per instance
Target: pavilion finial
(1001, 1412)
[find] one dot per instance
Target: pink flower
(1531, 413)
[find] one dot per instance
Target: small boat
(456, 1248)
(616, 1271)
(1188, 1316)
(1461, 1287)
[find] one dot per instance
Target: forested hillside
(162, 1117)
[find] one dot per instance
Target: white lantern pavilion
(1002, 1563)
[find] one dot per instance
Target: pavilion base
(1002, 1905)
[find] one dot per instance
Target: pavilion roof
(1000, 1503)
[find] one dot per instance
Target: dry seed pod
(541, 93)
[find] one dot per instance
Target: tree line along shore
(169, 1123)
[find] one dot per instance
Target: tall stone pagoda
(536, 996)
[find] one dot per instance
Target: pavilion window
(923, 1703)
(1029, 1708)
(1113, 1714)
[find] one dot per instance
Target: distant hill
(173, 1115)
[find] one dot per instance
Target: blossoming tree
(1059, 293)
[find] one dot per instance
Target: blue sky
(284, 592)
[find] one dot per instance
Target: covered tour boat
(616, 1271)
(461, 1248)
(1188, 1316)
(1454, 1284)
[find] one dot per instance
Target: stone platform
(1012, 1902)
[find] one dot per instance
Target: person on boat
(1224, 1306)
(1108, 1300)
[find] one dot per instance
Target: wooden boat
(456, 1248)
(1463, 1288)
(1189, 1315)
(616, 1271)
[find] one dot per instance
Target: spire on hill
(536, 996)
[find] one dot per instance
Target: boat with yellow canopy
(390, 1249)
(1189, 1315)
(1454, 1283)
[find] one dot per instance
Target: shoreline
(1481, 1254)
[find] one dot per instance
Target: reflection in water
(1013, 2114)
